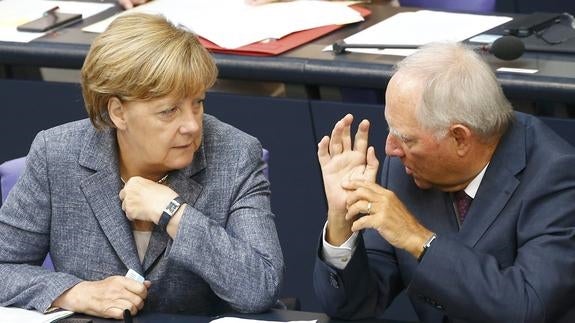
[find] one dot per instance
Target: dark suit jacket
(226, 252)
(512, 261)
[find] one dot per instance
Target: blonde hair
(142, 57)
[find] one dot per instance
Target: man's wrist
(336, 234)
(426, 246)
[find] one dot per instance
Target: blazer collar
(101, 189)
(498, 184)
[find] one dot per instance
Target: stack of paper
(233, 23)
(19, 315)
(422, 27)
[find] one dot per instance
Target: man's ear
(116, 112)
(462, 137)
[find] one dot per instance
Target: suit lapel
(497, 186)
(101, 191)
(186, 183)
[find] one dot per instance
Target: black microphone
(505, 48)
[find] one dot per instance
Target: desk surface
(308, 65)
(273, 315)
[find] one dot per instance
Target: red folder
(282, 45)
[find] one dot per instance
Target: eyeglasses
(562, 30)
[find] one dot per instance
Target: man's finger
(361, 137)
(346, 133)
(372, 165)
(335, 143)
(323, 151)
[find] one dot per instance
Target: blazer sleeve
(242, 260)
(25, 238)
(351, 293)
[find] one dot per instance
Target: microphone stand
(340, 46)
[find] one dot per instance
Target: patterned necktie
(462, 202)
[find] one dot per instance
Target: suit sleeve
(25, 238)
(351, 293)
(242, 260)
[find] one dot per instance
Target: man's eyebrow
(394, 132)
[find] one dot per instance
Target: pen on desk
(51, 10)
(127, 316)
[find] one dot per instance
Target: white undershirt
(339, 256)
(142, 241)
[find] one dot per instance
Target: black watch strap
(169, 212)
(426, 246)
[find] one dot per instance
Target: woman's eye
(169, 111)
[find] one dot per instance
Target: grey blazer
(513, 260)
(226, 252)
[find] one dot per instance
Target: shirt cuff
(335, 256)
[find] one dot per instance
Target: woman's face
(161, 134)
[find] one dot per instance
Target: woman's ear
(462, 137)
(116, 112)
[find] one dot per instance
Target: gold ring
(368, 207)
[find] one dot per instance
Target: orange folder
(283, 44)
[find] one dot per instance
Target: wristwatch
(426, 246)
(169, 212)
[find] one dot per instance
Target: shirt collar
(473, 186)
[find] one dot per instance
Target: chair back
(455, 5)
(266, 159)
(9, 172)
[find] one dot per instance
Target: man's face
(429, 160)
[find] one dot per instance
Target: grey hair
(458, 87)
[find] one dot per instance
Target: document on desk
(17, 12)
(14, 314)
(233, 23)
(421, 27)
(242, 320)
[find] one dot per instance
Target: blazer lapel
(101, 191)
(497, 186)
(187, 183)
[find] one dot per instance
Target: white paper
(241, 320)
(233, 23)
(134, 275)
(17, 12)
(485, 38)
(424, 26)
(19, 315)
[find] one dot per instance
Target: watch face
(172, 207)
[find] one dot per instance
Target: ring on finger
(368, 208)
